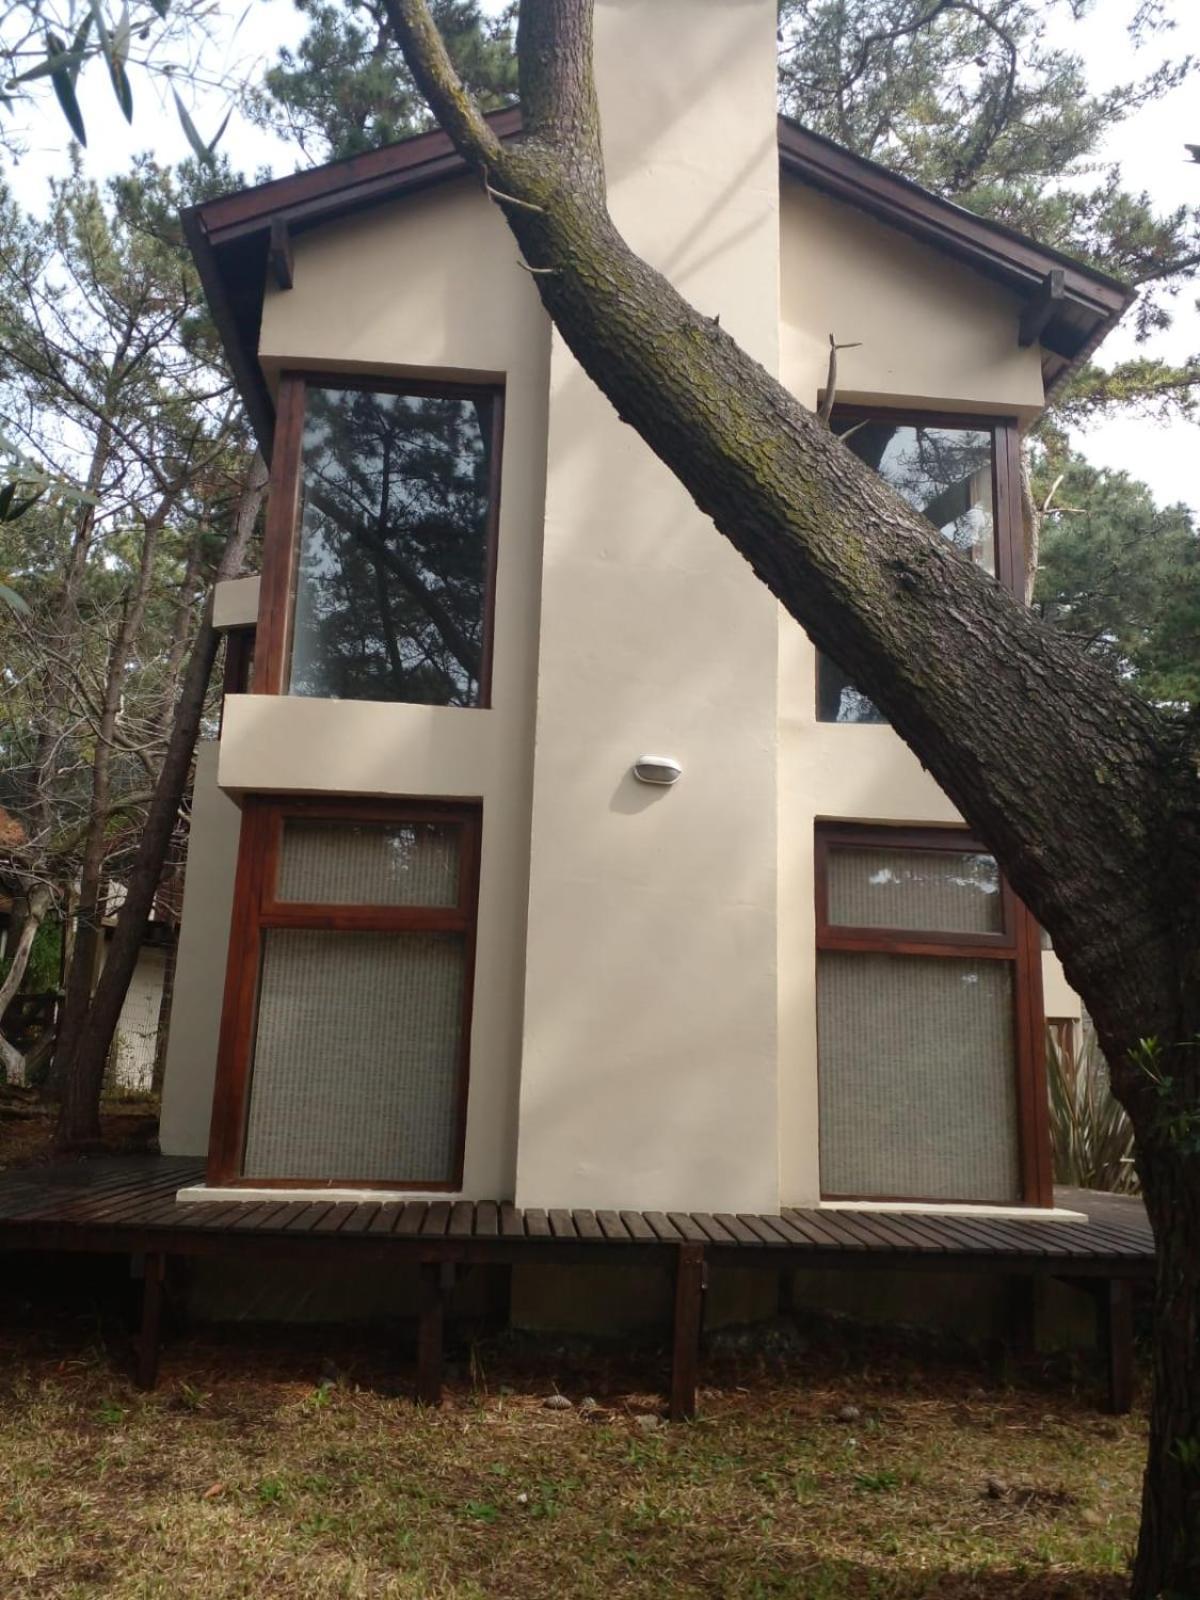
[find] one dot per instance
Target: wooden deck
(128, 1205)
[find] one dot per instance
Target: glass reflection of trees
(391, 585)
(946, 475)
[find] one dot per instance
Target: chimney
(649, 1066)
(687, 92)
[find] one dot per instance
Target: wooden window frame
(256, 909)
(281, 536)
(1017, 942)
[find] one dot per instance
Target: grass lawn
(248, 1474)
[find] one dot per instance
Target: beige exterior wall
(431, 286)
(936, 335)
(649, 1066)
(644, 1024)
(200, 963)
(235, 603)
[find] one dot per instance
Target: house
(540, 858)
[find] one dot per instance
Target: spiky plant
(1089, 1131)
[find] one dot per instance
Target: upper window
(382, 536)
(945, 470)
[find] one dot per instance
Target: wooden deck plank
(844, 1237)
(664, 1230)
(537, 1224)
(487, 1219)
(736, 1227)
(562, 1225)
(889, 1234)
(687, 1227)
(336, 1218)
(639, 1229)
(512, 1223)
(785, 1232)
(712, 1229)
(304, 1218)
(437, 1220)
(412, 1215)
(612, 1227)
(761, 1230)
(386, 1219)
(814, 1237)
(462, 1219)
(586, 1225)
(363, 1217)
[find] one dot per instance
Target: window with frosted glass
(946, 474)
(917, 1008)
(397, 515)
(348, 1045)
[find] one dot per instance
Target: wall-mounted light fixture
(663, 770)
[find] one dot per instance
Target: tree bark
(89, 929)
(79, 1116)
(38, 903)
(1087, 796)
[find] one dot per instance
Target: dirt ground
(825, 1464)
(128, 1124)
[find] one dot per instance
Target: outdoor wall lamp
(663, 770)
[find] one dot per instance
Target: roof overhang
(1069, 308)
(237, 240)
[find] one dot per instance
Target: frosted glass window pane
(356, 1057)
(936, 891)
(946, 475)
(369, 864)
(391, 586)
(918, 1091)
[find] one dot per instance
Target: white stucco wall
(936, 335)
(650, 1048)
(200, 963)
(432, 286)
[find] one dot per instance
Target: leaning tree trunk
(79, 1116)
(1088, 798)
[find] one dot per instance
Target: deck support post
(149, 1338)
(437, 1279)
(1115, 1305)
(690, 1282)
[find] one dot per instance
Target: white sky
(1149, 147)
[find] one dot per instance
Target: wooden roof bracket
(279, 254)
(1038, 311)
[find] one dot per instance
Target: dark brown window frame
(1017, 942)
(257, 909)
(281, 536)
(1008, 530)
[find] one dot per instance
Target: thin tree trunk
(38, 903)
(1088, 797)
(79, 1118)
(89, 930)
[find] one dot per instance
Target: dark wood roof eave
(229, 239)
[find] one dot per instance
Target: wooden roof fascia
(306, 199)
(906, 205)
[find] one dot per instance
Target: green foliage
(1121, 574)
(346, 88)
(1090, 1135)
(1173, 1078)
(46, 42)
(45, 960)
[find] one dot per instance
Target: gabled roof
(235, 241)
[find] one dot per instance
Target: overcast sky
(1149, 147)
